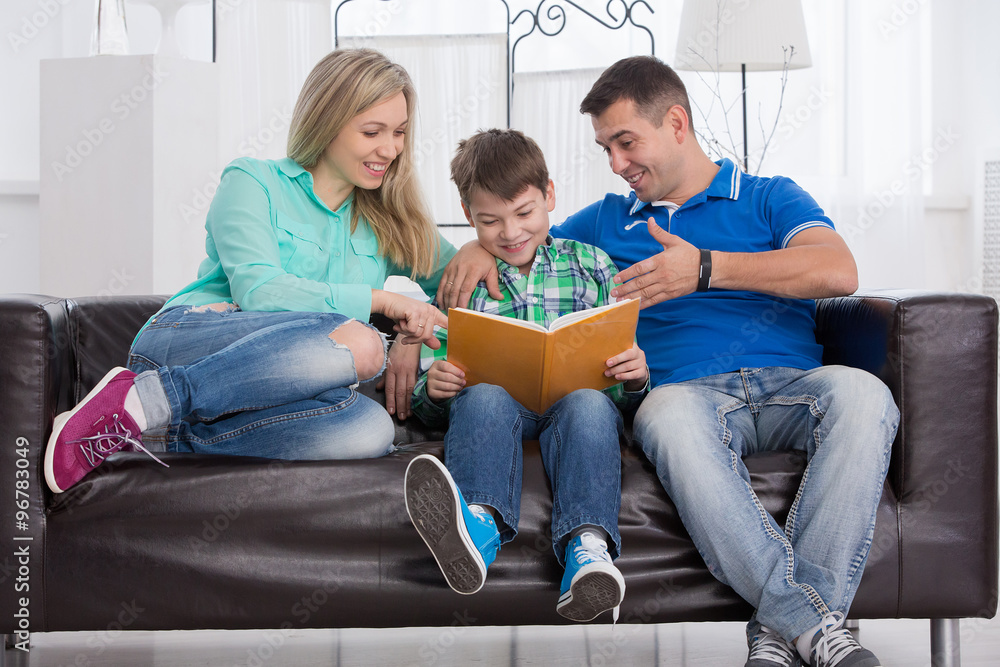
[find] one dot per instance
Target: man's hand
(444, 380)
(666, 275)
(629, 367)
(470, 265)
(414, 319)
(399, 377)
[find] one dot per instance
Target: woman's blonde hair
(342, 85)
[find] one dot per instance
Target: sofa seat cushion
(221, 542)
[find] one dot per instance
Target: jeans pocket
(138, 363)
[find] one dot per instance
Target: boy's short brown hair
(503, 163)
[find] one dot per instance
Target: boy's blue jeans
(263, 384)
(696, 434)
(580, 451)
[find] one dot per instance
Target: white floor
(898, 643)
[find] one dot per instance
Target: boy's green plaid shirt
(566, 276)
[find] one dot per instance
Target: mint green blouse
(274, 245)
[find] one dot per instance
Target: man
(728, 266)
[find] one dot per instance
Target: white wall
(32, 31)
(29, 34)
(965, 98)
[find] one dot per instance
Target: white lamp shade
(722, 35)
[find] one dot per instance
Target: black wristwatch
(705, 271)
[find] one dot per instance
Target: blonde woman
(260, 356)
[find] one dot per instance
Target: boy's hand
(444, 380)
(630, 368)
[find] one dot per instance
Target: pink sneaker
(92, 431)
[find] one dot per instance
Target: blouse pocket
(301, 248)
(366, 251)
(365, 246)
(297, 229)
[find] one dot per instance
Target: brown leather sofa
(236, 543)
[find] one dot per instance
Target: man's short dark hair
(503, 163)
(652, 85)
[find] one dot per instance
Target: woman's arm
(470, 266)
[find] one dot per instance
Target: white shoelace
(593, 549)
(116, 435)
(769, 645)
(834, 643)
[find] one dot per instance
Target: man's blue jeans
(580, 451)
(263, 384)
(697, 432)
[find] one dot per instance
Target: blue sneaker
(463, 542)
(591, 584)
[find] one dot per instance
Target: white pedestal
(129, 151)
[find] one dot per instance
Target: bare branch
(713, 82)
(789, 53)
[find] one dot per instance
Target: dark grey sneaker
(833, 645)
(769, 649)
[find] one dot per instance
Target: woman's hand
(399, 377)
(414, 319)
(444, 380)
(629, 367)
(470, 265)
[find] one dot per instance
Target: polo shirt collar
(725, 185)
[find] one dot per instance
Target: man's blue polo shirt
(705, 333)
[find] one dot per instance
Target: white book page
(512, 320)
(570, 318)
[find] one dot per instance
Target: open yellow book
(538, 366)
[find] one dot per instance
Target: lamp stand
(746, 155)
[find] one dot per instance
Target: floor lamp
(741, 36)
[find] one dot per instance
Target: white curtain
(266, 48)
(547, 108)
(870, 134)
(461, 87)
(889, 149)
(851, 130)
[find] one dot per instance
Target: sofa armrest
(52, 352)
(35, 367)
(938, 355)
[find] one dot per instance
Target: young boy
(507, 196)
